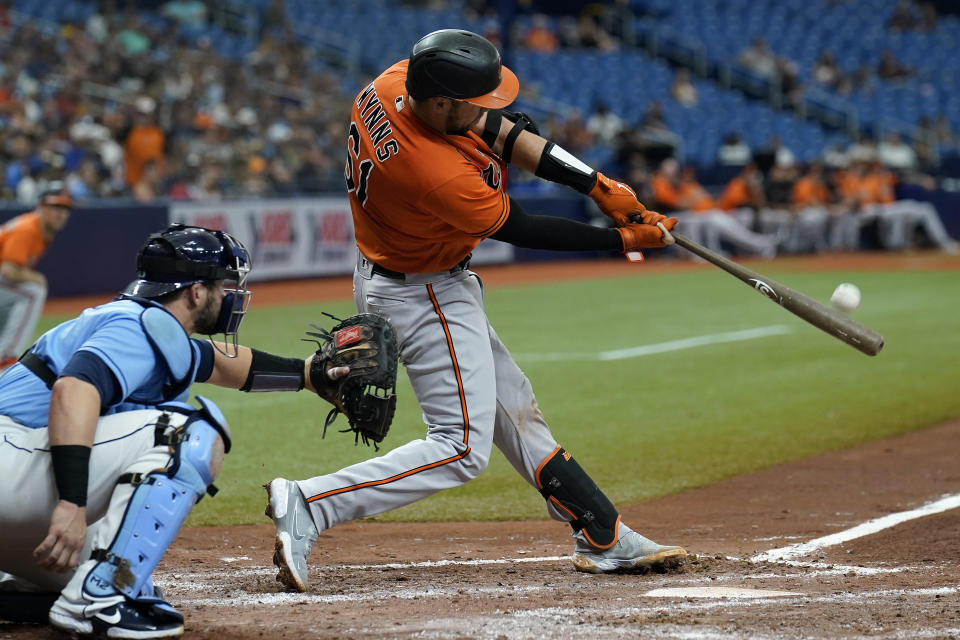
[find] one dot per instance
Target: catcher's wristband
(560, 166)
(273, 373)
(71, 471)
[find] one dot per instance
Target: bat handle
(666, 236)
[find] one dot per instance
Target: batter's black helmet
(457, 64)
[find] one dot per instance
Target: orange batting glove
(643, 236)
(619, 202)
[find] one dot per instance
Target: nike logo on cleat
(112, 618)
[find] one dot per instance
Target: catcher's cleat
(296, 533)
(631, 551)
(126, 619)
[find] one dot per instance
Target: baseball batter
(426, 163)
(102, 457)
(23, 289)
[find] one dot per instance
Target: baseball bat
(816, 313)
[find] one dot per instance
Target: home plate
(716, 592)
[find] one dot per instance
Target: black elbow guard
(560, 166)
(521, 122)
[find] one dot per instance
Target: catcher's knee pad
(161, 500)
(568, 488)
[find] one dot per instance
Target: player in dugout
(428, 147)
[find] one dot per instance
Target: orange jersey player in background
(23, 289)
(427, 149)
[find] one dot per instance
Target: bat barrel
(816, 313)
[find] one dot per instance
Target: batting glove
(619, 202)
(644, 236)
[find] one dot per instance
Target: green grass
(646, 426)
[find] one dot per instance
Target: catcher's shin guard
(569, 489)
(161, 502)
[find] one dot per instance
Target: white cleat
(296, 533)
(631, 551)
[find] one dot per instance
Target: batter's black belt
(396, 275)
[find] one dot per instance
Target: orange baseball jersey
(22, 240)
(664, 193)
(736, 194)
(808, 191)
(695, 197)
(421, 200)
(879, 187)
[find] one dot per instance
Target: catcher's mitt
(366, 343)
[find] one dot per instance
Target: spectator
(189, 13)
(759, 59)
(903, 18)
(144, 142)
(590, 35)
(683, 90)
(603, 124)
(653, 119)
(863, 150)
(828, 74)
(84, 182)
(835, 157)
(894, 154)
(890, 69)
(944, 130)
(733, 151)
(149, 186)
(132, 40)
(540, 36)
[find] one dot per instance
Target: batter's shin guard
(570, 490)
(159, 505)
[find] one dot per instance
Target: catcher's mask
(182, 255)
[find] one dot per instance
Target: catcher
(103, 457)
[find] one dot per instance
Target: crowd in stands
(120, 108)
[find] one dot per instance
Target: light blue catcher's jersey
(145, 347)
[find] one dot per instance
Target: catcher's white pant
(471, 392)
(20, 307)
(124, 443)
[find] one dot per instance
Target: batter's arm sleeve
(559, 234)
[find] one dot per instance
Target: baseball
(846, 297)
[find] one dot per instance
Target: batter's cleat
(126, 619)
(631, 551)
(296, 533)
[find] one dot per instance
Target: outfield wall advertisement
(297, 238)
(286, 238)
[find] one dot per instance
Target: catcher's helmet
(461, 65)
(182, 255)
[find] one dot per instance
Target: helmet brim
(141, 288)
(505, 93)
